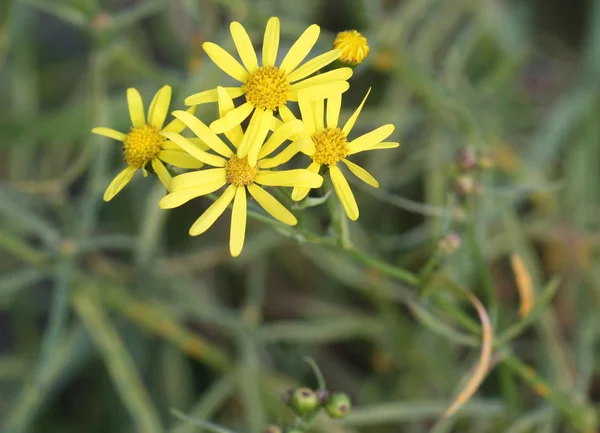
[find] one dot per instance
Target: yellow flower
(144, 144)
(268, 87)
(354, 46)
(236, 173)
(331, 145)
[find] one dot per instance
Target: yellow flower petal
(232, 119)
(381, 146)
(298, 193)
(386, 145)
(300, 49)
(285, 155)
(234, 134)
(225, 61)
(343, 191)
(119, 182)
(370, 139)
(361, 173)
(308, 117)
(197, 178)
(323, 91)
(334, 105)
(181, 196)
(204, 133)
(136, 108)
(238, 222)
(352, 120)
(271, 205)
(314, 65)
(161, 171)
(179, 158)
(212, 95)
(177, 125)
(318, 109)
(211, 214)
(198, 143)
(259, 137)
(271, 42)
(169, 145)
(286, 114)
(110, 133)
(282, 133)
(298, 177)
(255, 135)
(159, 107)
(244, 47)
(195, 151)
(253, 125)
(341, 74)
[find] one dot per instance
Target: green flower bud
(304, 400)
(338, 406)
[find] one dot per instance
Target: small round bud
(273, 429)
(338, 406)
(467, 160)
(354, 46)
(465, 185)
(304, 400)
(450, 243)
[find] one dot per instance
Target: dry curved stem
(482, 367)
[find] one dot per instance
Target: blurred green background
(110, 315)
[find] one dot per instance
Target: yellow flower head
(354, 46)
(332, 145)
(236, 173)
(144, 143)
(267, 87)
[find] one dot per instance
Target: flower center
(330, 146)
(267, 88)
(239, 172)
(142, 145)
(354, 46)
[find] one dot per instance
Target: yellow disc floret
(330, 146)
(142, 145)
(239, 172)
(354, 46)
(267, 88)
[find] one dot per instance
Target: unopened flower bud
(338, 406)
(465, 185)
(304, 400)
(450, 243)
(354, 46)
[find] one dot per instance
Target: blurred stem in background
(449, 74)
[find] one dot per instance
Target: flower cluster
(249, 159)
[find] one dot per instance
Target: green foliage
(111, 316)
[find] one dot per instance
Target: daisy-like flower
(236, 173)
(354, 46)
(267, 88)
(332, 146)
(144, 144)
